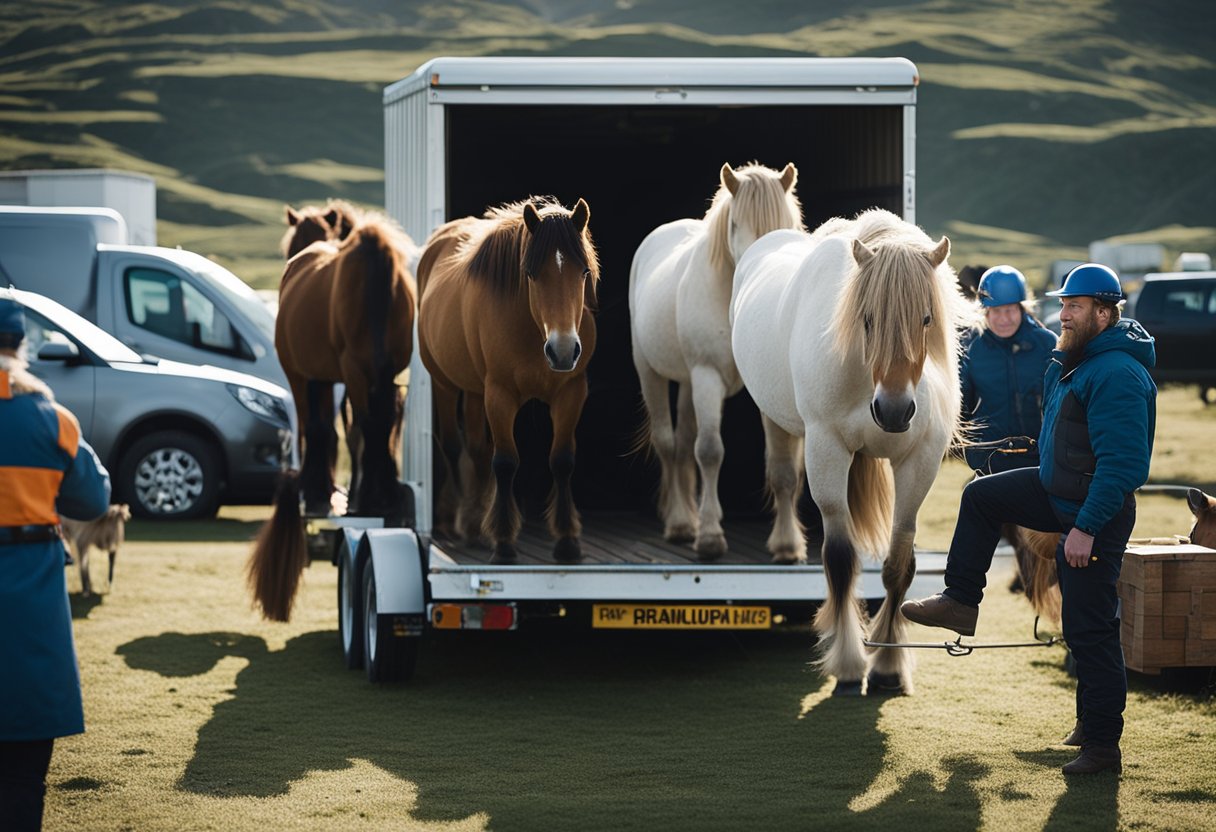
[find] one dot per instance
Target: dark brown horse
(969, 281)
(1203, 506)
(346, 314)
(314, 223)
(505, 316)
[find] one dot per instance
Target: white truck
(642, 141)
(132, 195)
(159, 301)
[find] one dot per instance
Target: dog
(106, 532)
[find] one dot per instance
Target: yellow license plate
(679, 617)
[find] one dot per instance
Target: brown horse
(346, 314)
(313, 223)
(505, 316)
(969, 281)
(1203, 506)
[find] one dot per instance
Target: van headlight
(269, 407)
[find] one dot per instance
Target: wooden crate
(1169, 607)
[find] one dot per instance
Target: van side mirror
(58, 351)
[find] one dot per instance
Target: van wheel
(387, 657)
(170, 475)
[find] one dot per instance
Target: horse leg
(445, 400)
(783, 468)
(565, 408)
(86, 581)
(838, 621)
(381, 491)
(675, 504)
(502, 520)
(708, 393)
(685, 474)
(475, 466)
(316, 477)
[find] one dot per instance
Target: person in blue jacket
(1097, 436)
(45, 468)
(1001, 372)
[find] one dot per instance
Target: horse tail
(280, 553)
(1035, 553)
(871, 502)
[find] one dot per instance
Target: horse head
(1203, 507)
(561, 270)
(760, 200)
(897, 297)
(312, 224)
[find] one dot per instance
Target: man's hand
(1077, 548)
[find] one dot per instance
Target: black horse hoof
(844, 688)
(884, 684)
(504, 553)
(567, 550)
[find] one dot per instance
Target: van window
(163, 303)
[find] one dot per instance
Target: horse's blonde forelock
(761, 198)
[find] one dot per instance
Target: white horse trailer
(642, 140)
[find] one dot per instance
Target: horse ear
(581, 215)
(789, 176)
(331, 217)
(862, 253)
(1197, 500)
(292, 216)
(531, 217)
(939, 254)
(729, 180)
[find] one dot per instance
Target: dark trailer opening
(642, 140)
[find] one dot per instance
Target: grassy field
(201, 716)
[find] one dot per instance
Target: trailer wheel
(350, 614)
(387, 657)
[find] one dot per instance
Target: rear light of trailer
(474, 616)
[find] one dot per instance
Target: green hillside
(1042, 125)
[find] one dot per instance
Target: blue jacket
(45, 467)
(1002, 382)
(1113, 386)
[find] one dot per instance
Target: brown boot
(1096, 758)
(942, 611)
(1077, 738)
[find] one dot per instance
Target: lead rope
(957, 648)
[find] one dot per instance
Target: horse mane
(761, 197)
(499, 251)
(883, 303)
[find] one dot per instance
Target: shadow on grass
(82, 607)
(217, 530)
(557, 729)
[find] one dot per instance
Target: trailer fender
(348, 548)
(396, 559)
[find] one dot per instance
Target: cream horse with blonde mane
(679, 299)
(848, 338)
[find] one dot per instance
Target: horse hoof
(567, 550)
(789, 556)
(844, 688)
(711, 547)
(682, 533)
(504, 553)
(884, 684)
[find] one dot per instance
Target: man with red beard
(1099, 416)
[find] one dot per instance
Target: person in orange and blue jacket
(45, 467)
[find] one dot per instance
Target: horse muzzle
(893, 415)
(562, 352)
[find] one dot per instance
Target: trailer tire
(386, 657)
(350, 614)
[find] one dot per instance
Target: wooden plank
(1148, 627)
(1200, 652)
(1176, 603)
(1132, 572)
(1173, 626)
(1184, 576)
(1152, 578)
(1163, 653)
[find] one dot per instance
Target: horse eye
(869, 322)
(928, 319)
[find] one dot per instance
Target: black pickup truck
(1179, 310)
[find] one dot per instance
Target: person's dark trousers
(1089, 599)
(23, 768)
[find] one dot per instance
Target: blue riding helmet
(1001, 286)
(1091, 280)
(12, 319)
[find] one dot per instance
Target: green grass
(202, 716)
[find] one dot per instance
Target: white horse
(848, 337)
(679, 303)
